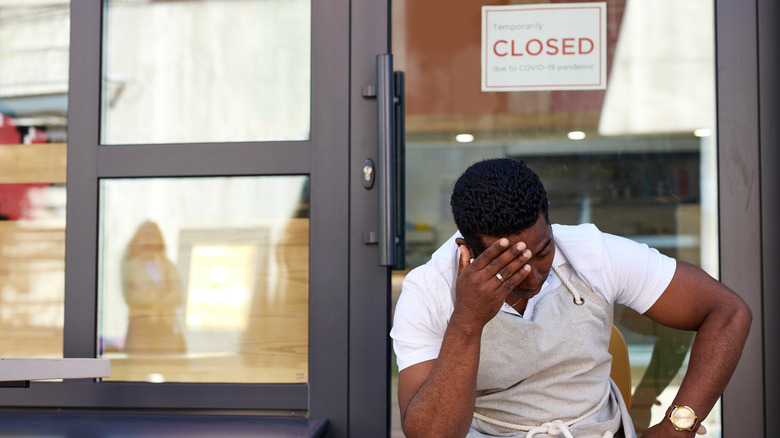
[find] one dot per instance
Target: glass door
(635, 156)
(204, 278)
(209, 213)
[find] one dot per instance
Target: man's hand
(479, 292)
(436, 397)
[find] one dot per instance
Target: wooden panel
(33, 163)
(32, 266)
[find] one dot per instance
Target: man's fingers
(498, 255)
(464, 258)
(509, 261)
(500, 268)
(511, 281)
(493, 251)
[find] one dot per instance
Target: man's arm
(437, 397)
(695, 301)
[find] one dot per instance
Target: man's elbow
(741, 317)
(745, 315)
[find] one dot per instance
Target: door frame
(748, 134)
(369, 283)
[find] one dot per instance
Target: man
(504, 332)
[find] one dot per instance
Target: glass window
(34, 49)
(205, 279)
(636, 159)
(206, 71)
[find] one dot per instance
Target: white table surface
(23, 369)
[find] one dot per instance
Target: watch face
(683, 417)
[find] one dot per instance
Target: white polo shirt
(622, 270)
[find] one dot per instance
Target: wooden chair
(621, 368)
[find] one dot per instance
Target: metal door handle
(385, 158)
(399, 99)
(390, 169)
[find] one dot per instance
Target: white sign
(554, 46)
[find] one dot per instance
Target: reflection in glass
(34, 49)
(637, 159)
(205, 71)
(205, 279)
(153, 293)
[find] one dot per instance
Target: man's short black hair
(496, 198)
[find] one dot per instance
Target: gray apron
(549, 376)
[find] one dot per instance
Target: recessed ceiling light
(464, 138)
(576, 135)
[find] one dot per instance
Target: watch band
(696, 420)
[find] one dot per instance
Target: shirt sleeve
(636, 273)
(419, 322)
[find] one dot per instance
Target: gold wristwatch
(683, 418)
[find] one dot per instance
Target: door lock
(368, 173)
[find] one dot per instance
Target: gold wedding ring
(500, 278)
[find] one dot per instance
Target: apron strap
(554, 427)
(578, 300)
